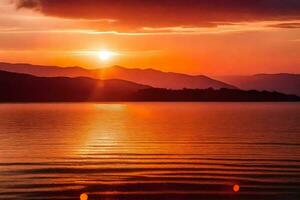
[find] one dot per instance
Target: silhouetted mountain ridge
(47, 71)
(210, 94)
(16, 87)
(151, 77)
(27, 88)
(169, 80)
(282, 82)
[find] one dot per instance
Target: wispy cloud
(117, 52)
(289, 25)
(178, 30)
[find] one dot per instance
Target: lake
(150, 151)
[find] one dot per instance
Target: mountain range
(151, 77)
(16, 87)
(284, 83)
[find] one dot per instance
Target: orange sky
(232, 40)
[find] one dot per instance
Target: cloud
(135, 14)
(27, 4)
(293, 25)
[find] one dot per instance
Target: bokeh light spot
(84, 196)
(236, 188)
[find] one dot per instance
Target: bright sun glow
(105, 55)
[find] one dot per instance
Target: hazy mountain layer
(149, 77)
(16, 87)
(27, 88)
(285, 83)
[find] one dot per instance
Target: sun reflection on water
(104, 151)
(111, 107)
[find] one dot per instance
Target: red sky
(218, 37)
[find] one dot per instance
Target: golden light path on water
(150, 151)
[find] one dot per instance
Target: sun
(105, 55)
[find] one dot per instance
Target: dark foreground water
(153, 151)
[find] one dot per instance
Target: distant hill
(16, 87)
(27, 88)
(149, 77)
(169, 80)
(220, 95)
(285, 83)
(48, 71)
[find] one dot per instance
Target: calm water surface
(150, 151)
